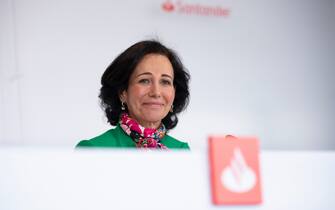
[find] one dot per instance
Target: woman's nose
(155, 90)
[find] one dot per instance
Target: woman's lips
(153, 104)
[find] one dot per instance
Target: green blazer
(117, 138)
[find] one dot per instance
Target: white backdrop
(266, 69)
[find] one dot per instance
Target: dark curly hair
(116, 78)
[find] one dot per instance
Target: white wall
(10, 104)
(266, 70)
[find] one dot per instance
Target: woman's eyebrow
(166, 75)
(148, 73)
(145, 73)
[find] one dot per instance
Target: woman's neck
(147, 124)
(154, 125)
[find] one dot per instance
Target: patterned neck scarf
(143, 137)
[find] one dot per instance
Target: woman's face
(150, 92)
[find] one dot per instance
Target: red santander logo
(168, 6)
(195, 9)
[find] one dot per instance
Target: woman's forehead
(154, 64)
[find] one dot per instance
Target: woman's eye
(166, 82)
(144, 81)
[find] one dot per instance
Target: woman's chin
(153, 118)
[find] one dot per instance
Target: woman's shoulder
(171, 142)
(106, 139)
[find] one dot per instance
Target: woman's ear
(123, 96)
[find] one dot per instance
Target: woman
(142, 92)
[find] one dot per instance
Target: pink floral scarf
(143, 137)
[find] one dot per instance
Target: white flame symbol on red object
(238, 177)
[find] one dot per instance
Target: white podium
(56, 179)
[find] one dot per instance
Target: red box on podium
(234, 169)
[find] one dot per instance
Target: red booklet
(234, 169)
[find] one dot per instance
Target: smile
(153, 104)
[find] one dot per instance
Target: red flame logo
(168, 6)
